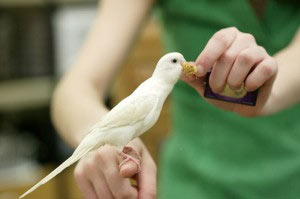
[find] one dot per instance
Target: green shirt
(214, 154)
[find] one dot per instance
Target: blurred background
(39, 40)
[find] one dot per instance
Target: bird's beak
(189, 68)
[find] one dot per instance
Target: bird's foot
(129, 154)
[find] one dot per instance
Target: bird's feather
(78, 153)
(128, 112)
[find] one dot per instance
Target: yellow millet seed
(189, 68)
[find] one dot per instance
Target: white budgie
(132, 116)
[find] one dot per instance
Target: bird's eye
(174, 61)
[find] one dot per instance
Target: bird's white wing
(129, 111)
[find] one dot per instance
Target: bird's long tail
(78, 153)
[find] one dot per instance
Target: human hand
(99, 177)
(235, 59)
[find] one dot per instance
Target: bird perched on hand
(130, 118)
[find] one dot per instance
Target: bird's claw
(129, 154)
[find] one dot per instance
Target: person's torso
(217, 153)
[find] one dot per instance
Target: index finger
(147, 178)
(213, 50)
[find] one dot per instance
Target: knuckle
(261, 49)
(267, 70)
(219, 35)
(79, 174)
(233, 29)
(270, 67)
(230, 30)
(103, 154)
(89, 165)
(227, 57)
(205, 60)
(248, 37)
(100, 155)
(221, 38)
(245, 58)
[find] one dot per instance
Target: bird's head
(169, 67)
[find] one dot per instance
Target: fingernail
(249, 90)
(239, 88)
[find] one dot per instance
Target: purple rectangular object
(240, 97)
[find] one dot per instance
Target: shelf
(21, 94)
